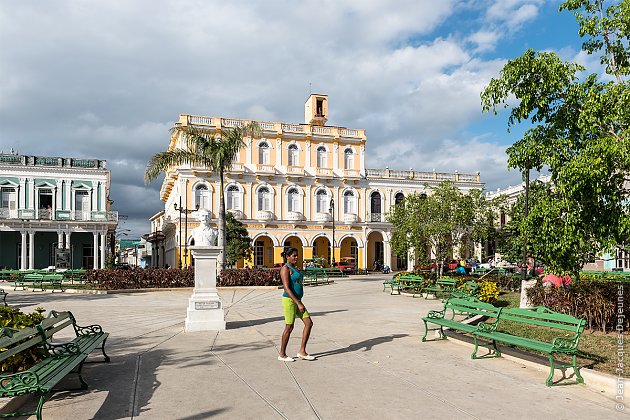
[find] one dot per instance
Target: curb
(156, 289)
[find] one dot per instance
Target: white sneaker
(306, 357)
(286, 359)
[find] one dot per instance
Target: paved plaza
(371, 363)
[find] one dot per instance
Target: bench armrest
(436, 314)
(19, 383)
(62, 350)
(487, 328)
(88, 329)
(561, 344)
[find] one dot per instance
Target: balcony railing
(351, 173)
(264, 215)
(295, 216)
(323, 171)
(59, 215)
(265, 169)
(376, 217)
(295, 170)
(238, 215)
(422, 176)
(350, 218)
(322, 217)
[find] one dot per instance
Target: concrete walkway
(371, 363)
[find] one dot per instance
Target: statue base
(525, 284)
(205, 308)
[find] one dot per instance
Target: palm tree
(206, 150)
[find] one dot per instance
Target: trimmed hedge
(140, 278)
(599, 302)
(249, 277)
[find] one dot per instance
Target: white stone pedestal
(525, 284)
(205, 308)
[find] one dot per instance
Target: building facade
(54, 212)
(300, 185)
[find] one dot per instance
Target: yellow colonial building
(300, 185)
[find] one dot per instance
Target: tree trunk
(222, 240)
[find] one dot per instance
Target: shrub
(138, 278)
(488, 291)
(249, 277)
(594, 300)
(14, 318)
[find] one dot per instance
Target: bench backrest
(14, 341)
(544, 317)
(52, 276)
(33, 276)
(411, 278)
(472, 306)
(470, 287)
(446, 281)
(55, 322)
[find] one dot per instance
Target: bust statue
(204, 235)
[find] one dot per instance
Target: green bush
(139, 278)
(249, 277)
(14, 318)
(592, 299)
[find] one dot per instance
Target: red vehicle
(347, 265)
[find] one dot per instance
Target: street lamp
(332, 246)
(186, 211)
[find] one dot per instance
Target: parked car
(347, 265)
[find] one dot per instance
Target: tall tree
(579, 130)
(239, 244)
(207, 150)
(441, 220)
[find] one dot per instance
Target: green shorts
(291, 311)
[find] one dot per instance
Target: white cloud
(513, 13)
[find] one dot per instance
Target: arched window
(293, 155)
(399, 198)
(322, 201)
(233, 198)
(348, 159)
(349, 202)
(202, 197)
(263, 153)
(264, 199)
(293, 199)
(321, 157)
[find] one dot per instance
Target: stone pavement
(371, 363)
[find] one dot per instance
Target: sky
(107, 79)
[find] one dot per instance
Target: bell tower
(316, 109)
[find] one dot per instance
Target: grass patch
(596, 350)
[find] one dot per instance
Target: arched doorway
(375, 249)
(263, 252)
(349, 248)
(295, 242)
(321, 248)
(375, 207)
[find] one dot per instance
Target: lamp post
(186, 212)
(332, 245)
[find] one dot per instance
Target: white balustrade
(348, 132)
(295, 216)
(350, 173)
(323, 171)
(237, 167)
(321, 130)
(295, 169)
(265, 168)
(238, 215)
(264, 215)
(228, 122)
(350, 218)
(266, 126)
(293, 128)
(322, 217)
(197, 120)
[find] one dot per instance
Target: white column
(307, 213)
(278, 211)
(23, 192)
(248, 152)
(335, 156)
(23, 252)
(102, 259)
(93, 198)
(31, 250)
(307, 154)
(69, 196)
(362, 159)
(387, 254)
(248, 204)
(411, 256)
(278, 152)
(95, 253)
(60, 240)
(338, 204)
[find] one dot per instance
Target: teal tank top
(296, 283)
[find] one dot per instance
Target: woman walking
(292, 281)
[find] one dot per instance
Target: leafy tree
(203, 149)
(239, 244)
(441, 220)
(579, 131)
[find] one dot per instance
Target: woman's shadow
(366, 344)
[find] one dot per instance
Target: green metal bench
(57, 359)
(4, 296)
(469, 289)
(391, 284)
(315, 276)
(410, 283)
(443, 286)
(458, 306)
(536, 317)
(54, 280)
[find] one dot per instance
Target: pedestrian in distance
(293, 283)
